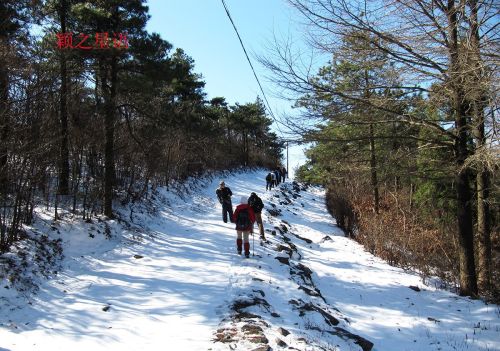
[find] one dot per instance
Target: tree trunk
(245, 148)
(373, 157)
(109, 125)
(468, 282)
(483, 175)
(483, 232)
(63, 111)
(373, 169)
(4, 122)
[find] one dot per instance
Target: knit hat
(244, 200)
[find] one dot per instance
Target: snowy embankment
(170, 279)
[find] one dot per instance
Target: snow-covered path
(172, 281)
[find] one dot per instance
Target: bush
(397, 234)
(340, 208)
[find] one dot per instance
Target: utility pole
(287, 169)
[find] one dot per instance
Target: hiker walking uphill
(244, 217)
(269, 181)
(283, 174)
(256, 203)
(224, 195)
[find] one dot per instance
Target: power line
(251, 66)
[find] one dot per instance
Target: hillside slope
(170, 279)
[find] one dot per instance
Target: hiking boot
(239, 245)
(247, 249)
(247, 254)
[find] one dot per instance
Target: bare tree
(424, 41)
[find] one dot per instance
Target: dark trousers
(258, 219)
(269, 185)
(227, 208)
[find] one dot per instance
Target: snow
(171, 280)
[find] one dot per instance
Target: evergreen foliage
(405, 136)
(87, 127)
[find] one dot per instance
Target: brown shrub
(397, 234)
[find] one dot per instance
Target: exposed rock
(241, 316)
(365, 344)
(252, 329)
(326, 238)
(244, 303)
(304, 270)
(288, 250)
(309, 241)
(331, 320)
(283, 331)
(273, 212)
(414, 288)
(262, 348)
(284, 260)
(260, 292)
(264, 323)
(138, 257)
(226, 335)
(258, 339)
(281, 343)
(310, 292)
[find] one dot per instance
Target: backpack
(256, 203)
(243, 220)
(269, 177)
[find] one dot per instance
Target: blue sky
(202, 29)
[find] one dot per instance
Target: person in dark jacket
(273, 179)
(283, 174)
(224, 195)
(269, 181)
(243, 229)
(256, 203)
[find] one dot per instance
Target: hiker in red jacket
(244, 217)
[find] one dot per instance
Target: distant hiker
(244, 217)
(283, 174)
(256, 203)
(269, 181)
(273, 179)
(278, 176)
(224, 195)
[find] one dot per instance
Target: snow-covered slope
(170, 279)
